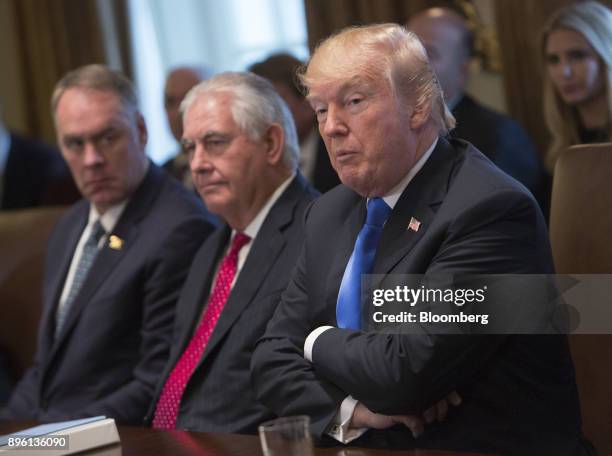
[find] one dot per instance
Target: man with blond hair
(412, 202)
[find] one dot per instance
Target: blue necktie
(348, 308)
(88, 255)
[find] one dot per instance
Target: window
(228, 35)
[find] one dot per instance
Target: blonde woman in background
(577, 46)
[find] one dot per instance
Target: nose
(566, 69)
(92, 156)
(334, 123)
(199, 160)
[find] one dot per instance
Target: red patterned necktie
(166, 412)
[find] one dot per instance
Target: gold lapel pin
(115, 242)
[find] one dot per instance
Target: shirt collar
(110, 218)
(253, 228)
(393, 196)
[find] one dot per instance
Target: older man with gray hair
(412, 202)
(243, 152)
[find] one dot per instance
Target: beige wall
(11, 85)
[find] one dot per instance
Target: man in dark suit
(32, 174)
(281, 70)
(244, 151)
(433, 207)
(449, 44)
(115, 262)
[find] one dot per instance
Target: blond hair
(593, 21)
(387, 50)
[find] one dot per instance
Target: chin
(356, 183)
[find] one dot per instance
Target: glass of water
(289, 436)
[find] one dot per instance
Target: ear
(420, 115)
(141, 128)
(274, 139)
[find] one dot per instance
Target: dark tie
(166, 412)
(88, 255)
(348, 308)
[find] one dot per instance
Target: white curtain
(221, 35)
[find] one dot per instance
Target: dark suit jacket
(35, 174)
(474, 220)
(219, 397)
(116, 338)
(505, 142)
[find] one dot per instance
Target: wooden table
(137, 441)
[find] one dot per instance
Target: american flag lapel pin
(414, 225)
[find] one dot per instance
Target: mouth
(344, 155)
(569, 89)
(208, 187)
(98, 183)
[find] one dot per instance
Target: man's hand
(365, 418)
(440, 410)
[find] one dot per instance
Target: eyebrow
(351, 84)
(94, 136)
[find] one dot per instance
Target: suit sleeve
(21, 404)
(405, 373)
(163, 278)
(283, 380)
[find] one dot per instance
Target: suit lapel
(108, 259)
(267, 246)
(419, 201)
(58, 275)
(192, 305)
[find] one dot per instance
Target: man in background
(244, 152)
(281, 70)
(449, 44)
(115, 262)
(32, 173)
(180, 80)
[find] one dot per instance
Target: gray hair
(255, 106)
(97, 77)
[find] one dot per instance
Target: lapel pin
(414, 224)
(115, 242)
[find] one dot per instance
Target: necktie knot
(97, 231)
(378, 212)
(239, 241)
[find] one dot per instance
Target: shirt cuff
(339, 427)
(310, 340)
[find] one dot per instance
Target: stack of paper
(67, 437)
